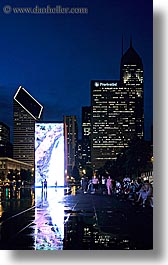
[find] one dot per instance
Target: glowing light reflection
(49, 219)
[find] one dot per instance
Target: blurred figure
(103, 185)
(56, 184)
(109, 185)
(85, 185)
(95, 183)
(146, 194)
(113, 185)
(118, 187)
(45, 184)
(149, 194)
(42, 184)
(90, 185)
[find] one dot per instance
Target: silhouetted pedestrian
(103, 185)
(45, 184)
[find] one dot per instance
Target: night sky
(55, 56)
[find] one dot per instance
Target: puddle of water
(82, 233)
(59, 222)
(49, 219)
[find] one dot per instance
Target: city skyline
(55, 57)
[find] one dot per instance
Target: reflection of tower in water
(49, 219)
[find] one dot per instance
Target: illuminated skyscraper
(6, 149)
(80, 160)
(109, 121)
(4, 133)
(72, 142)
(26, 111)
(86, 135)
(117, 114)
(131, 76)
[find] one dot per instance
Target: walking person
(103, 185)
(85, 185)
(95, 183)
(42, 184)
(45, 184)
(109, 185)
(56, 185)
(90, 186)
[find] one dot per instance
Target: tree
(10, 174)
(133, 161)
(138, 158)
(2, 175)
(89, 172)
(26, 175)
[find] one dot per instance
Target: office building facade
(79, 157)
(86, 135)
(131, 76)
(71, 131)
(6, 148)
(109, 119)
(26, 111)
(117, 114)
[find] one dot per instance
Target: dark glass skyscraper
(26, 111)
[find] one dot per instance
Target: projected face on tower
(49, 154)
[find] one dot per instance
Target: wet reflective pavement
(60, 219)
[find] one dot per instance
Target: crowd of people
(138, 191)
